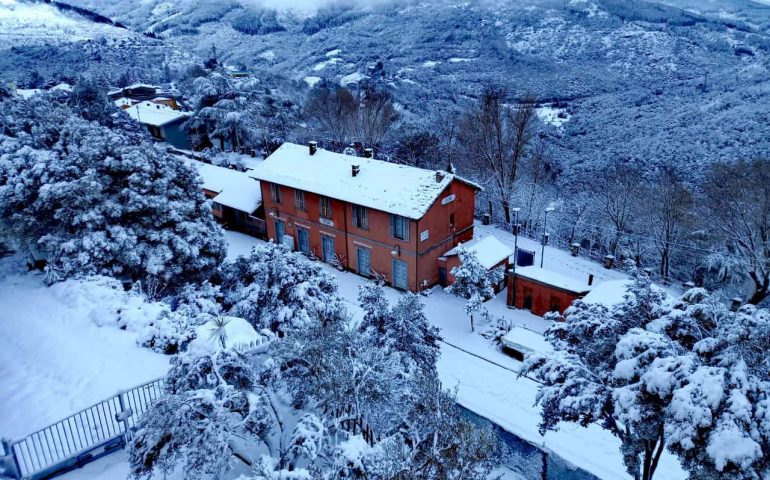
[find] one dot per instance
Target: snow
(333, 53)
(238, 334)
(311, 81)
(489, 250)
(61, 350)
(354, 77)
(552, 115)
(124, 102)
(528, 339)
(154, 114)
(555, 279)
(608, 294)
(235, 189)
(430, 63)
(27, 93)
(398, 189)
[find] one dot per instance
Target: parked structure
(376, 218)
(542, 291)
(163, 122)
(236, 198)
(491, 253)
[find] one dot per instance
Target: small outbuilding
(490, 251)
(541, 291)
(162, 121)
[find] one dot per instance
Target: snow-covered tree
(280, 290)
(208, 403)
(686, 377)
(371, 298)
(407, 330)
(97, 203)
(473, 282)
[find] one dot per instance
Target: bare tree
(737, 198)
(497, 136)
(669, 217)
(619, 192)
(375, 115)
(333, 109)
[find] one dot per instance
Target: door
(527, 299)
(364, 261)
(303, 241)
(442, 276)
(328, 248)
(400, 275)
(280, 231)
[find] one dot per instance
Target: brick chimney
(313, 147)
(439, 176)
(355, 169)
(368, 152)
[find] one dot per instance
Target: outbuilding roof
(554, 279)
(398, 189)
(489, 250)
(154, 114)
(234, 189)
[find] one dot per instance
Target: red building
(376, 218)
(542, 291)
(490, 252)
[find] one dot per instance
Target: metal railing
(83, 436)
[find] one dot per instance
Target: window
(275, 193)
(361, 217)
(451, 219)
(399, 227)
(299, 199)
(326, 207)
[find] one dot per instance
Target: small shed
(520, 341)
(541, 291)
(490, 251)
(162, 121)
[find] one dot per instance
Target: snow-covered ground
(60, 350)
(486, 379)
(61, 347)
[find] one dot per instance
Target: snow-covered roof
(608, 293)
(552, 278)
(160, 99)
(154, 114)
(27, 93)
(519, 336)
(140, 85)
(235, 189)
(63, 86)
(124, 102)
(489, 250)
(380, 185)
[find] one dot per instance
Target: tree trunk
(506, 211)
(472, 329)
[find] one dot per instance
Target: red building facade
(541, 291)
(350, 221)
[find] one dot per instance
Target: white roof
(397, 189)
(139, 85)
(489, 250)
(235, 189)
(552, 278)
(27, 93)
(123, 101)
(519, 336)
(154, 114)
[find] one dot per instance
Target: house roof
(549, 277)
(398, 189)
(489, 250)
(124, 102)
(154, 114)
(235, 189)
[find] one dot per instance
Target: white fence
(82, 437)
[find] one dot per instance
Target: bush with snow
(97, 203)
(280, 290)
(691, 377)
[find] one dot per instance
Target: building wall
(544, 297)
(173, 134)
(420, 256)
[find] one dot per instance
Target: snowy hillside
(638, 71)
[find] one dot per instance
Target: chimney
(355, 169)
(735, 303)
(439, 176)
(368, 152)
(590, 279)
(313, 146)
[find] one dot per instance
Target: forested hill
(684, 83)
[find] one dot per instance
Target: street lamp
(545, 232)
(516, 230)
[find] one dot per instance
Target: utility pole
(545, 232)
